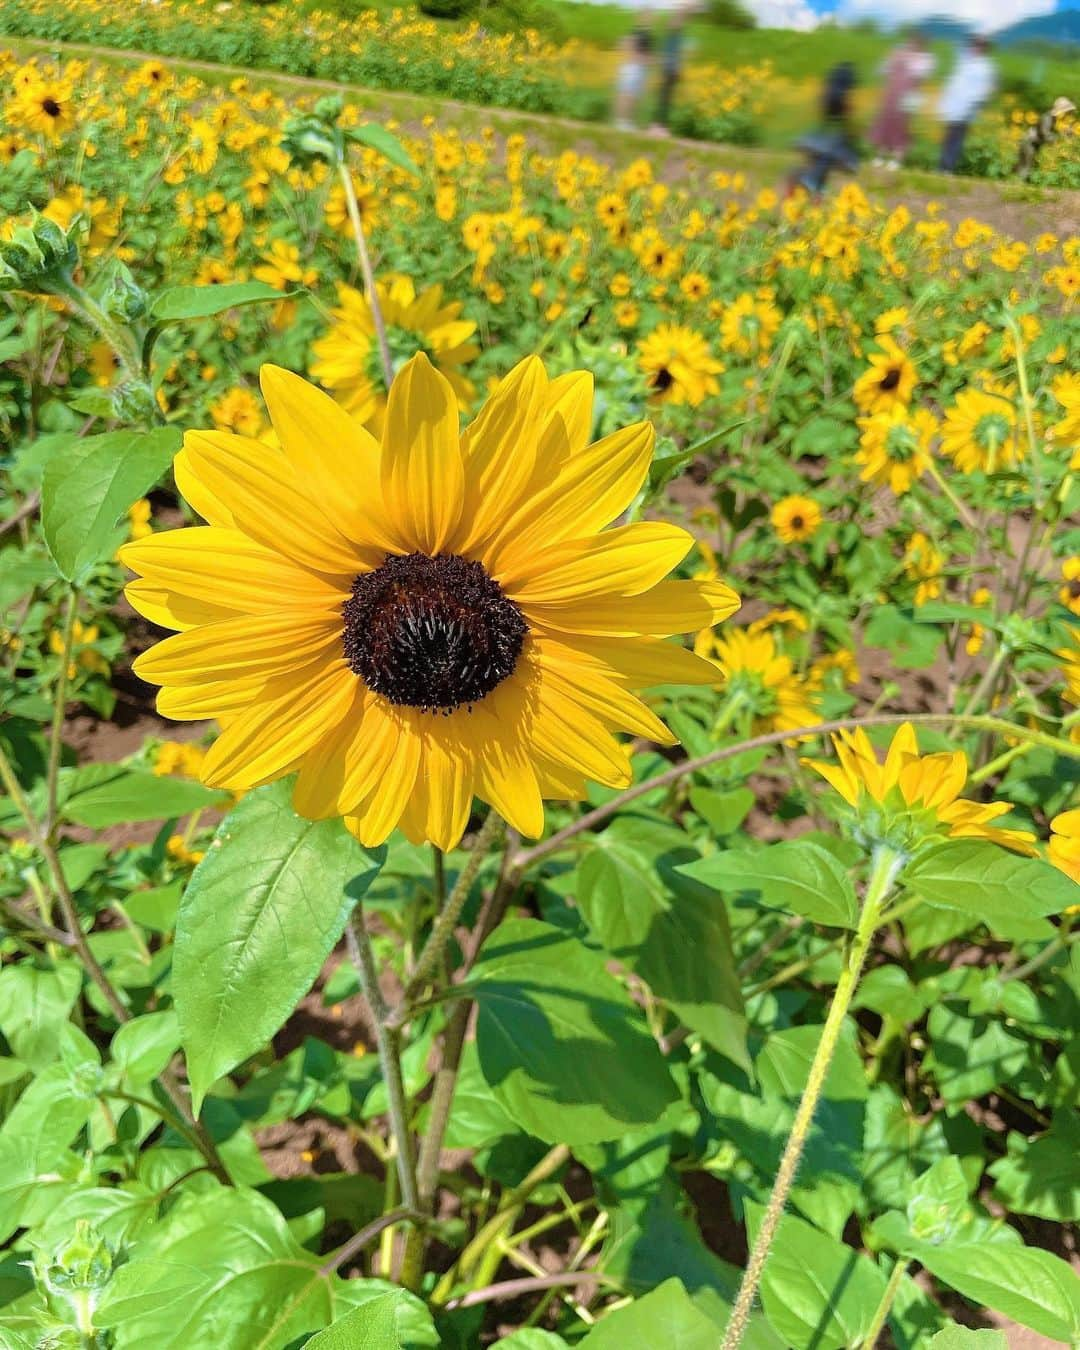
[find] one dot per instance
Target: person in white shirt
(967, 89)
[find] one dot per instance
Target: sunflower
(1063, 849)
(1069, 593)
(1066, 390)
(678, 365)
(923, 563)
(890, 379)
(347, 357)
(414, 624)
(895, 448)
(46, 107)
(910, 798)
(749, 326)
(102, 363)
(795, 518)
(758, 673)
(980, 433)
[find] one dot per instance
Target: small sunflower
(896, 447)
(795, 518)
(910, 798)
(758, 673)
(748, 326)
(923, 564)
(1069, 593)
(347, 357)
(678, 365)
(414, 624)
(980, 432)
(890, 379)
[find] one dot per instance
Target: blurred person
(636, 48)
(968, 87)
(832, 146)
(905, 70)
(1045, 130)
(672, 53)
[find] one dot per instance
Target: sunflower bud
(77, 1273)
(38, 257)
(123, 298)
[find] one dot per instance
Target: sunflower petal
(624, 561)
(267, 645)
(373, 822)
(423, 480)
(671, 607)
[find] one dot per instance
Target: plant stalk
(884, 866)
(888, 1298)
(367, 272)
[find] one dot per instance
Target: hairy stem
(884, 867)
(367, 272)
(888, 1298)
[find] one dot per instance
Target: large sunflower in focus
(347, 358)
(414, 624)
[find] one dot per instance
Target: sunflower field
(539, 740)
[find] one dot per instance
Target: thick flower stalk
(411, 625)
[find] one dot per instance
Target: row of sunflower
(599, 461)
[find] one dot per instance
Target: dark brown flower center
(50, 106)
(797, 522)
(663, 380)
(431, 633)
(891, 378)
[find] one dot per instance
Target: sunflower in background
(1063, 850)
(979, 431)
(45, 107)
(896, 447)
(678, 365)
(795, 519)
(414, 624)
(762, 677)
(347, 359)
(889, 380)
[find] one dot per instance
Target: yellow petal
(321, 779)
(267, 645)
(568, 734)
(588, 688)
(671, 607)
(284, 722)
(332, 454)
(624, 561)
(647, 661)
(174, 611)
(569, 415)
(211, 701)
(499, 449)
(269, 503)
(198, 496)
(374, 821)
(444, 782)
(227, 568)
(423, 480)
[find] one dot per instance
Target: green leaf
(818, 1293)
(962, 1338)
(723, 812)
(88, 485)
(975, 877)
(563, 1047)
(143, 1047)
(264, 909)
(99, 795)
(34, 1004)
(202, 302)
(665, 1317)
(668, 928)
(938, 1200)
(1033, 1287)
(532, 1338)
(375, 1325)
(1042, 1176)
(796, 876)
(386, 143)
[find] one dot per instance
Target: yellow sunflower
(412, 624)
(46, 107)
(980, 433)
(795, 518)
(1069, 593)
(923, 564)
(896, 447)
(1066, 389)
(678, 365)
(910, 798)
(758, 673)
(347, 357)
(1063, 849)
(749, 325)
(890, 379)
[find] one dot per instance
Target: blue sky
(979, 13)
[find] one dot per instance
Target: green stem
(446, 922)
(363, 958)
(59, 704)
(957, 505)
(884, 867)
(367, 272)
(888, 1298)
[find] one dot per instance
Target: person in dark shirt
(832, 145)
(671, 64)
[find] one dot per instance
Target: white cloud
(783, 14)
(975, 13)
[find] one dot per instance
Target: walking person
(905, 70)
(968, 87)
(672, 52)
(1045, 130)
(633, 74)
(832, 146)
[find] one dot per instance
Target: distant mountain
(1062, 27)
